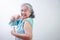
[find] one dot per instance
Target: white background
(46, 22)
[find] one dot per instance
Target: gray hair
(30, 8)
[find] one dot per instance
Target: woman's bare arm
(28, 32)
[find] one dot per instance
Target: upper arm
(28, 29)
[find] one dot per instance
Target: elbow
(28, 37)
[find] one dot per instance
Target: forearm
(22, 36)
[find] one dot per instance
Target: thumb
(14, 28)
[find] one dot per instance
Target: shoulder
(29, 20)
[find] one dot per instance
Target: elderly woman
(24, 23)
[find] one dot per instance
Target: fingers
(13, 31)
(17, 16)
(12, 18)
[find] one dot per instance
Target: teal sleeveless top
(20, 25)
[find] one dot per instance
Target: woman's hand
(14, 17)
(17, 16)
(13, 32)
